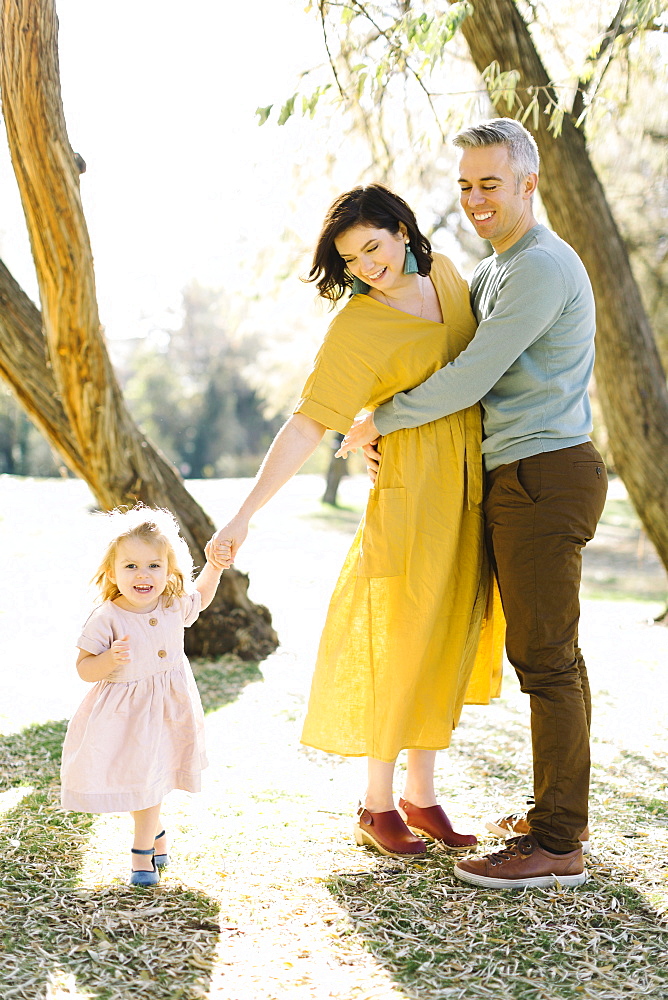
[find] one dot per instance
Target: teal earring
(360, 287)
(410, 263)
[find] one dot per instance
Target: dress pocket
(384, 537)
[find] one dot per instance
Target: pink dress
(138, 733)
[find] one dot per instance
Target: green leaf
(582, 117)
(287, 110)
(530, 109)
(263, 113)
(556, 120)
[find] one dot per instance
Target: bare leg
(161, 842)
(379, 797)
(146, 826)
(420, 778)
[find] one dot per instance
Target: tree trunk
(63, 376)
(24, 365)
(336, 470)
(629, 376)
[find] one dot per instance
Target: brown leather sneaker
(387, 832)
(433, 824)
(517, 825)
(523, 862)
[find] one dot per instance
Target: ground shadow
(114, 942)
(439, 938)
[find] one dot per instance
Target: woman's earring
(360, 287)
(410, 263)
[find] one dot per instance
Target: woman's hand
(223, 547)
(363, 431)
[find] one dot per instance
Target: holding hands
(224, 545)
(218, 553)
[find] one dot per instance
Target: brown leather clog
(387, 832)
(433, 823)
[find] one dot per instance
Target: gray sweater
(530, 361)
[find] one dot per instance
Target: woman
(408, 636)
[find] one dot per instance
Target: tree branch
(332, 64)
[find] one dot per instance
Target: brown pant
(540, 512)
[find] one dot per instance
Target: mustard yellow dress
(414, 627)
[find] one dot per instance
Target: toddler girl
(140, 731)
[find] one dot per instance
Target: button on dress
(139, 732)
(414, 627)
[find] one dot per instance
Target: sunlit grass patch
(221, 682)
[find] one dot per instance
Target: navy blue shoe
(161, 860)
(145, 878)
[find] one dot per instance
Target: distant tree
(191, 391)
(57, 364)
(23, 450)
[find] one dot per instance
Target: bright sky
(159, 99)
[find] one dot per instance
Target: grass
(268, 898)
(56, 931)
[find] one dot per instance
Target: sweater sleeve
(530, 298)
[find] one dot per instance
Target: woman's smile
(376, 275)
(360, 247)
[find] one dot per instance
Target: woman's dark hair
(374, 206)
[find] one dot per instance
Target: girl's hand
(228, 540)
(120, 651)
(363, 431)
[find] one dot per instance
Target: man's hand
(372, 458)
(363, 432)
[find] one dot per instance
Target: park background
(201, 224)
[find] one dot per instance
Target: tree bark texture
(57, 363)
(629, 376)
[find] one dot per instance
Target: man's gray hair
(521, 145)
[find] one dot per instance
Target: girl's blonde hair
(152, 525)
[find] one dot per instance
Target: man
(529, 363)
